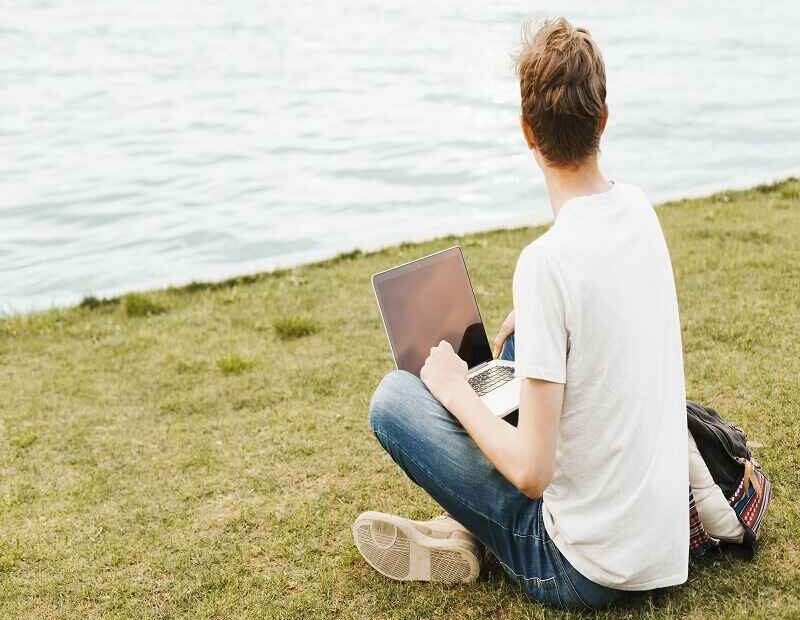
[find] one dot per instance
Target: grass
(141, 479)
(232, 364)
(137, 305)
(290, 327)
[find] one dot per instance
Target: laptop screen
(429, 300)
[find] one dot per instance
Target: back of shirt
(596, 309)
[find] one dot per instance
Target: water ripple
(148, 145)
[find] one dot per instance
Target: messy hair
(562, 80)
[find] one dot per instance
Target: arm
(524, 454)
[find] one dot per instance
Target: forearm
(499, 441)
(524, 454)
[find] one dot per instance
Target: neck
(564, 184)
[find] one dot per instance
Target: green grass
(290, 327)
(232, 364)
(136, 305)
(140, 479)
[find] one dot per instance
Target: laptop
(431, 299)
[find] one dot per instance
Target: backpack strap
(750, 477)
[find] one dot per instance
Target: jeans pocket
(579, 591)
(570, 597)
(545, 591)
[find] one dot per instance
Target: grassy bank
(201, 452)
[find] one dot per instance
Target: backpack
(738, 475)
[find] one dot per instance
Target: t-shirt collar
(599, 196)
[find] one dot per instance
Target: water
(145, 144)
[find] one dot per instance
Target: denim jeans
(435, 451)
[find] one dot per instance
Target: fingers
(440, 354)
(443, 345)
(496, 345)
(506, 329)
(499, 340)
(434, 355)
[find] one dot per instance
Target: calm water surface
(153, 143)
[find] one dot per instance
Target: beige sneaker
(437, 550)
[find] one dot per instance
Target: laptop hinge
(479, 366)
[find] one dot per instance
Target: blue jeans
(435, 451)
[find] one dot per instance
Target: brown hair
(562, 81)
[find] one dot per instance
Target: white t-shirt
(596, 309)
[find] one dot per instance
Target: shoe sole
(395, 548)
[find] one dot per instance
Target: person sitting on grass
(585, 498)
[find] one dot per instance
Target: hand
(444, 373)
(506, 329)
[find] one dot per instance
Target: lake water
(153, 143)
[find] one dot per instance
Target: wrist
(457, 393)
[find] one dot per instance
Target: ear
(527, 131)
(603, 119)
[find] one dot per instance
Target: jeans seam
(538, 580)
(566, 577)
(386, 438)
(540, 583)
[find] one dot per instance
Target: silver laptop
(431, 299)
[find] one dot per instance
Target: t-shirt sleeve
(540, 338)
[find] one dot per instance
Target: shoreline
(310, 259)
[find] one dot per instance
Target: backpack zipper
(726, 440)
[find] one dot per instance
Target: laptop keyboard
(491, 378)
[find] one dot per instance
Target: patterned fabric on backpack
(700, 542)
(751, 499)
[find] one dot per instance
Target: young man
(585, 498)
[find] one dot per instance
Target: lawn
(201, 452)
